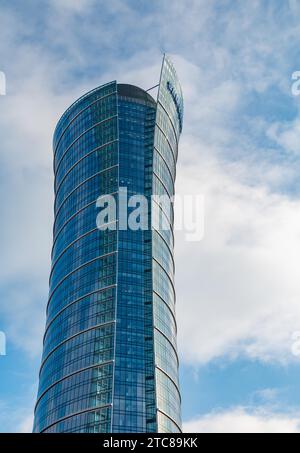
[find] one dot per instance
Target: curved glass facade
(110, 359)
(168, 126)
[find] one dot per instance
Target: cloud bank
(240, 420)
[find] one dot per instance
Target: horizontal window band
(168, 141)
(170, 251)
(162, 298)
(80, 185)
(167, 165)
(169, 377)
(77, 115)
(169, 112)
(93, 202)
(99, 148)
(170, 342)
(166, 273)
(107, 362)
(170, 418)
(68, 247)
(168, 248)
(77, 269)
(67, 112)
(91, 409)
(97, 326)
(74, 215)
(167, 305)
(171, 121)
(163, 183)
(168, 220)
(73, 303)
(81, 135)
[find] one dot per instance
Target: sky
(238, 289)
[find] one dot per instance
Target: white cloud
(286, 135)
(244, 420)
(240, 292)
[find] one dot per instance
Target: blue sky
(238, 290)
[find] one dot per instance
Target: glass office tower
(110, 360)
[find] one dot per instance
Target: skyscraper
(110, 360)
